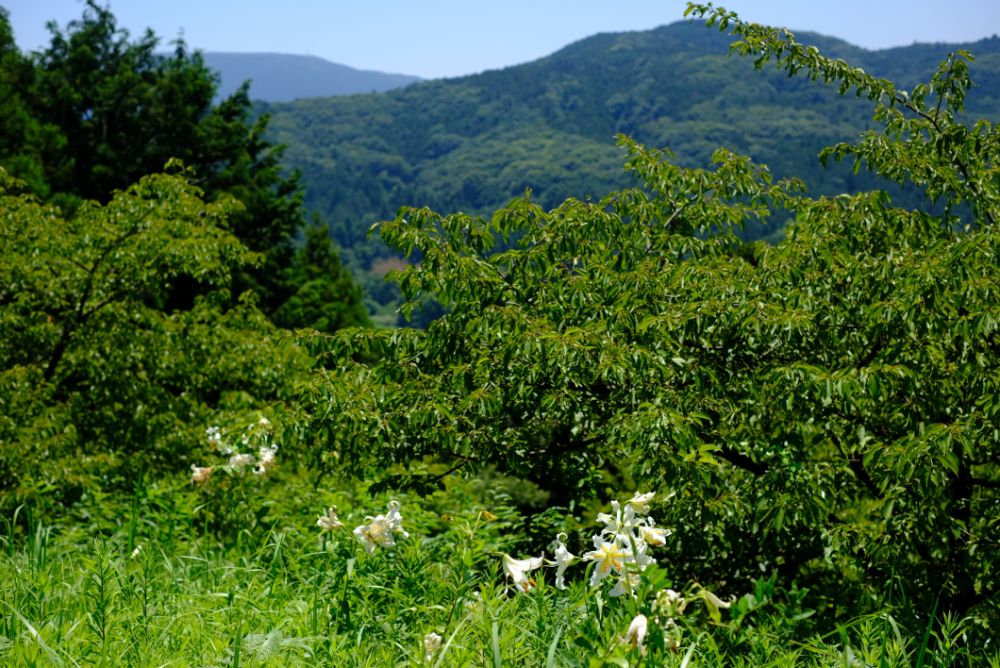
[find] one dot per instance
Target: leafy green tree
(125, 110)
(825, 408)
(26, 145)
(122, 111)
(97, 383)
(319, 301)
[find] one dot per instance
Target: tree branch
(857, 466)
(739, 460)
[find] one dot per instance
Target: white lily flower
(267, 460)
(712, 599)
(609, 557)
(563, 558)
(629, 520)
(627, 584)
(641, 501)
(432, 643)
(329, 522)
(641, 556)
(619, 524)
(636, 634)
(200, 474)
(515, 569)
(610, 521)
(378, 531)
(652, 534)
(669, 603)
(394, 519)
(240, 461)
(712, 602)
(613, 520)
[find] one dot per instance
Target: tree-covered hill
(282, 77)
(474, 142)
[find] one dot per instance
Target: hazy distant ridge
(280, 77)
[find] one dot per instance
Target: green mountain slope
(282, 77)
(472, 143)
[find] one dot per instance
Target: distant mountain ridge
(282, 77)
(472, 143)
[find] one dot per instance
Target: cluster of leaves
(825, 407)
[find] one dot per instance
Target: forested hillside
(472, 143)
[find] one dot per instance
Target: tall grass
(159, 589)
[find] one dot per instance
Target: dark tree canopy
(96, 111)
(27, 146)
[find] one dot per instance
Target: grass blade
(927, 634)
(495, 641)
(550, 659)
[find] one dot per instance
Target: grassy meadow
(237, 570)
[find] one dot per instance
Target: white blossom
(394, 519)
(432, 643)
(608, 557)
(640, 502)
(380, 529)
(376, 532)
(618, 523)
(266, 459)
(669, 604)
(200, 474)
(515, 569)
(627, 584)
(563, 558)
(712, 602)
(652, 534)
(636, 634)
(329, 522)
(622, 545)
(240, 461)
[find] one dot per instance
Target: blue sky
(436, 38)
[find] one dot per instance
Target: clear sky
(437, 38)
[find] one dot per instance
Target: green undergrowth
(240, 574)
